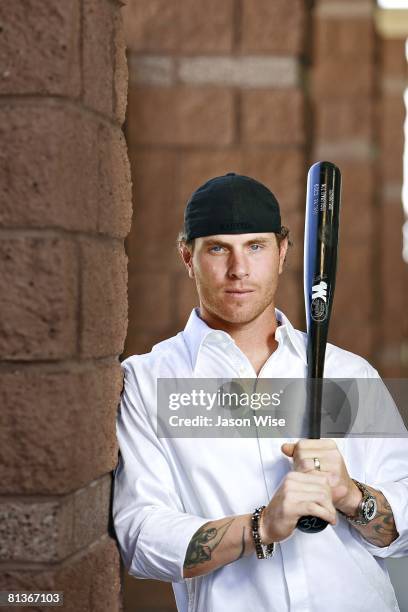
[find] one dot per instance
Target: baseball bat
(320, 264)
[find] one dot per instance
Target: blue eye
(257, 247)
(216, 248)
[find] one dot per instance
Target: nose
(238, 265)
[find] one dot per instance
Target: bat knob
(311, 524)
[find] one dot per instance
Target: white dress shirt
(166, 488)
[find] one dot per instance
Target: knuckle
(304, 464)
(310, 507)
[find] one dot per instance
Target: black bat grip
(311, 524)
(314, 392)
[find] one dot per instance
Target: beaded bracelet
(263, 551)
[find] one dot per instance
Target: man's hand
(346, 496)
(298, 495)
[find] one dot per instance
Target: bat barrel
(320, 258)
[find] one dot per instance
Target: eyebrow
(257, 239)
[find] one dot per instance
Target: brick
(272, 117)
(354, 283)
(148, 294)
(356, 78)
(391, 137)
(351, 9)
(357, 213)
(120, 73)
(393, 58)
(389, 363)
(179, 26)
(45, 183)
(90, 580)
(40, 48)
(289, 297)
(104, 298)
(49, 531)
(140, 341)
(196, 167)
(247, 71)
(262, 26)
(105, 74)
(181, 116)
(339, 38)
(37, 440)
(354, 336)
(334, 121)
(114, 184)
(295, 221)
(186, 297)
(158, 211)
(283, 171)
(98, 55)
(38, 303)
(151, 70)
(151, 595)
(393, 270)
(59, 168)
(356, 149)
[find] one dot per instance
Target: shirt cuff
(396, 494)
(162, 544)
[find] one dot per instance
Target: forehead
(235, 239)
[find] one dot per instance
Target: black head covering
(231, 204)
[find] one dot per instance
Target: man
(190, 510)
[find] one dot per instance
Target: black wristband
(263, 551)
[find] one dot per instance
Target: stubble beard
(233, 310)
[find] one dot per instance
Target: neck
(255, 338)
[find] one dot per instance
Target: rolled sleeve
(396, 494)
(387, 471)
(152, 529)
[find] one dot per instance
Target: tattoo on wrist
(381, 531)
(204, 542)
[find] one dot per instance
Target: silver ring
(316, 463)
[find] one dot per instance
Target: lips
(239, 291)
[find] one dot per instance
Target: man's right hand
(300, 494)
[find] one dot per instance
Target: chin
(237, 314)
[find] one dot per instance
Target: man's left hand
(345, 494)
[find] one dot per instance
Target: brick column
(214, 87)
(64, 212)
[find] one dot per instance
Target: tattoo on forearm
(203, 542)
(381, 531)
(241, 554)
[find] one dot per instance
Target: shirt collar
(197, 331)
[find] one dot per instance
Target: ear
(283, 249)
(187, 257)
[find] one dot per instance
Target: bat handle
(311, 524)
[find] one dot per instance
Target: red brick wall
(392, 349)
(344, 102)
(213, 88)
(237, 91)
(65, 209)
(264, 88)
